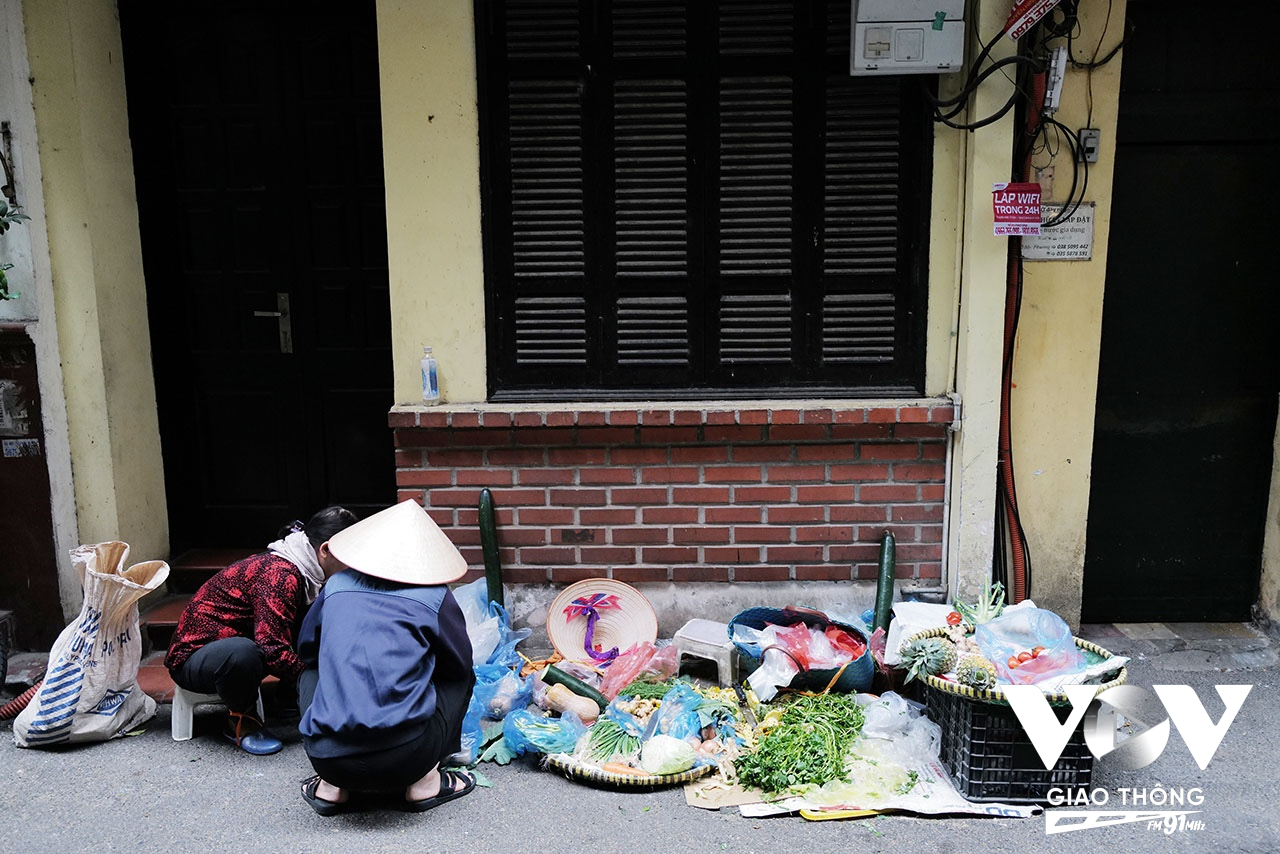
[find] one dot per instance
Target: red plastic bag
(845, 642)
(624, 669)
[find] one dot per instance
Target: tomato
(1024, 656)
(1013, 662)
(1035, 653)
(954, 618)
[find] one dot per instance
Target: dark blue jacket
(383, 651)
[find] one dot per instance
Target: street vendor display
(964, 664)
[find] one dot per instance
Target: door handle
(283, 320)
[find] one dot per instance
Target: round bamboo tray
(581, 772)
(1091, 650)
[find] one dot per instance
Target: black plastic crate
(990, 757)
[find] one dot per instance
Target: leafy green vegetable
(807, 748)
(608, 739)
(646, 690)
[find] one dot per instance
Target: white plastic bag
(908, 619)
(775, 671)
(90, 691)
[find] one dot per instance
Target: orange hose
(1013, 285)
(12, 708)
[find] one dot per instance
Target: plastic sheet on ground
(933, 794)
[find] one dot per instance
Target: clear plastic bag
(500, 691)
(1020, 630)
(909, 738)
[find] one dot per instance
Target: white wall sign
(1072, 240)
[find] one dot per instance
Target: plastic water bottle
(430, 378)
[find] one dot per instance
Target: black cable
(976, 78)
(1078, 165)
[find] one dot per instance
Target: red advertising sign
(1025, 13)
(1016, 207)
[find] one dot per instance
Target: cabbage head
(664, 754)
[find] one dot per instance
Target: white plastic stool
(184, 705)
(709, 639)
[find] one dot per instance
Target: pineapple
(976, 672)
(929, 656)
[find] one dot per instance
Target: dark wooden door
(1189, 374)
(257, 147)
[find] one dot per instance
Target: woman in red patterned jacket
(241, 624)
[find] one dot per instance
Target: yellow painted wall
(1059, 337)
(431, 151)
(979, 316)
(96, 265)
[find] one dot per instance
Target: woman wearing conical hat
(388, 667)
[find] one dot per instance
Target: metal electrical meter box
(906, 36)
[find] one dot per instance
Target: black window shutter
(694, 198)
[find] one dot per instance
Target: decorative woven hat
(611, 615)
(401, 543)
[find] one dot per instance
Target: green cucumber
(489, 547)
(554, 676)
(884, 583)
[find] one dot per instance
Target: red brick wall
(659, 495)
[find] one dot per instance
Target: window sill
(935, 410)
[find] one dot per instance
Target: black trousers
(232, 668)
(392, 769)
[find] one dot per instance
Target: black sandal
(449, 789)
(320, 805)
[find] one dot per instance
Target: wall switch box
(1089, 138)
(906, 37)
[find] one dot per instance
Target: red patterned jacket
(260, 598)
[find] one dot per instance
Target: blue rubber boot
(248, 733)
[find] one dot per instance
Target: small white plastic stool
(709, 639)
(184, 704)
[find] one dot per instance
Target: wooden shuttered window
(695, 198)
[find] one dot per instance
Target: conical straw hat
(625, 617)
(401, 543)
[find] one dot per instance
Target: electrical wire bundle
(1041, 134)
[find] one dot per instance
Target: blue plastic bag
(504, 652)
(472, 735)
(526, 732)
(678, 715)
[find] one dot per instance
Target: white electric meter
(906, 36)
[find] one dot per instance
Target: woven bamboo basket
(581, 772)
(1093, 653)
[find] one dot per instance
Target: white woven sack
(90, 691)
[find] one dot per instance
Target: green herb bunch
(807, 748)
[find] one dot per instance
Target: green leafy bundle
(807, 748)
